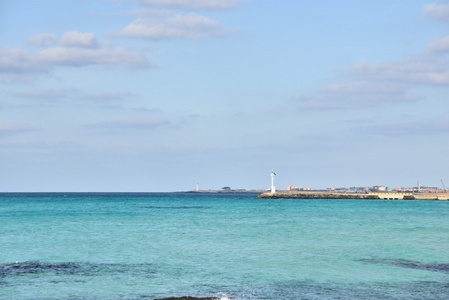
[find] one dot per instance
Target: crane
(444, 187)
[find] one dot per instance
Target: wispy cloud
(429, 67)
(45, 94)
(421, 70)
(385, 82)
(363, 87)
(74, 94)
(192, 4)
(360, 94)
(74, 49)
(439, 46)
(42, 145)
(130, 124)
(150, 122)
(408, 128)
(43, 39)
(439, 12)
(8, 129)
(179, 26)
(78, 39)
(109, 96)
(176, 19)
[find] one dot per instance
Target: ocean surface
(150, 245)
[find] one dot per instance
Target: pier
(362, 196)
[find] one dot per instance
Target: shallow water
(146, 246)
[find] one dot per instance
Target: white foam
(223, 296)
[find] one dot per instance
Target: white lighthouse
(273, 188)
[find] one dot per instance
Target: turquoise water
(147, 246)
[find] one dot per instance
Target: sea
(225, 245)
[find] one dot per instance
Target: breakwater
(362, 196)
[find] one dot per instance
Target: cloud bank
(385, 82)
(430, 67)
(73, 49)
(176, 19)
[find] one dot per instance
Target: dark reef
(189, 298)
(410, 264)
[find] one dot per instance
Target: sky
(159, 95)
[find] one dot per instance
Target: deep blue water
(150, 245)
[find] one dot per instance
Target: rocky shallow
(190, 298)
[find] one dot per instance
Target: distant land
(364, 193)
(365, 196)
(241, 191)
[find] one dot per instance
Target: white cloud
(120, 95)
(359, 94)
(372, 84)
(354, 101)
(127, 124)
(75, 49)
(74, 94)
(364, 87)
(68, 39)
(63, 56)
(43, 39)
(437, 12)
(189, 26)
(78, 39)
(435, 127)
(48, 94)
(192, 4)
(418, 71)
(440, 46)
(430, 67)
(149, 13)
(7, 129)
(381, 83)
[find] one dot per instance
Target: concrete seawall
(370, 196)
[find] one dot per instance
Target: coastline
(361, 196)
(227, 191)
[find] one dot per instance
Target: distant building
(359, 189)
(379, 188)
(336, 189)
(297, 188)
(428, 189)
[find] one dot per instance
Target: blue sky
(158, 95)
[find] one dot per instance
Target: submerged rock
(190, 298)
(33, 267)
(72, 268)
(410, 264)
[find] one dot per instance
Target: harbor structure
(351, 195)
(273, 188)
